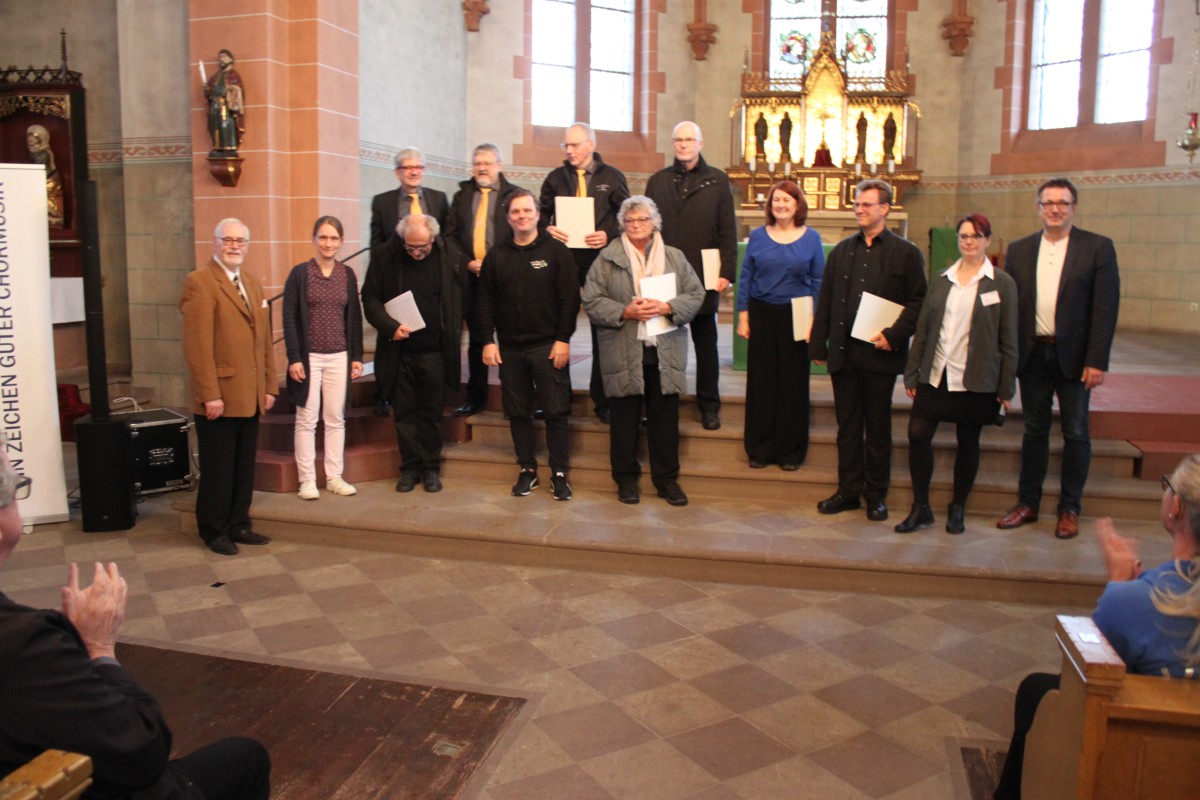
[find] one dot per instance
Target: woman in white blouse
(961, 366)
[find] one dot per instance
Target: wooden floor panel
(329, 735)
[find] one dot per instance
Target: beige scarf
(643, 267)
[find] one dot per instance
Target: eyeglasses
(1059, 204)
(414, 249)
(637, 221)
(966, 237)
(21, 490)
(486, 163)
(573, 145)
(229, 241)
(1166, 485)
(411, 168)
(685, 140)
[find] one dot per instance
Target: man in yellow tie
(477, 222)
(584, 174)
(412, 196)
(388, 208)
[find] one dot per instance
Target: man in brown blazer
(227, 344)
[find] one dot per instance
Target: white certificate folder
(801, 318)
(663, 289)
(403, 309)
(576, 216)
(874, 314)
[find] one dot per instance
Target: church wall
(496, 95)
(412, 91)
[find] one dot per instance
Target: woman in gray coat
(962, 362)
(643, 346)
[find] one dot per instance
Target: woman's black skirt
(961, 408)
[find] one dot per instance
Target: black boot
(921, 516)
(954, 519)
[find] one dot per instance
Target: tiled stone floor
(640, 687)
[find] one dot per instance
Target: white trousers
(327, 376)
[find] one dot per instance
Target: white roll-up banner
(28, 394)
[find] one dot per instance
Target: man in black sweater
(529, 296)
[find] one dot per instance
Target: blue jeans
(1041, 379)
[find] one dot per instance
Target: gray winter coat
(609, 289)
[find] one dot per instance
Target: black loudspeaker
(105, 454)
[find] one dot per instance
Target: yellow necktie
(582, 190)
(481, 217)
(415, 206)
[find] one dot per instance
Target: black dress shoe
(876, 510)
(758, 463)
(710, 421)
(467, 409)
(837, 504)
(247, 536)
(604, 415)
(431, 480)
(223, 545)
(673, 494)
(954, 519)
(921, 516)
(627, 493)
(381, 408)
(789, 466)
(407, 482)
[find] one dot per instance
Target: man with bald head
(231, 367)
(696, 203)
(584, 174)
(415, 365)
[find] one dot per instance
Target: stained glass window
(859, 30)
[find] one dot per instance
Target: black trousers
(227, 448)
(776, 387)
(526, 373)
(1029, 695)
(863, 401)
(236, 768)
(417, 398)
(708, 368)
(662, 432)
(477, 371)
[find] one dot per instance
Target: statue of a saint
(226, 108)
(37, 139)
(760, 137)
(889, 137)
(785, 137)
(861, 127)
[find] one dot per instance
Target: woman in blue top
(784, 259)
(1148, 616)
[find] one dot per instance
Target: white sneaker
(308, 491)
(340, 487)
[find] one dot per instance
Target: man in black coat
(696, 204)
(477, 222)
(415, 366)
(584, 174)
(863, 373)
(61, 687)
(1069, 290)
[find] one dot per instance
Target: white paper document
(576, 216)
(661, 288)
(801, 318)
(711, 259)
(874, 314)
(403, 309)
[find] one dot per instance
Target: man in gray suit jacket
(1069, 290)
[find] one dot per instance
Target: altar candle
(752, 165)
(872, 167)
(787, 168)
(891, 166)
(858, 169)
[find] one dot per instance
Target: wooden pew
(1105, 734)
(54, 775)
